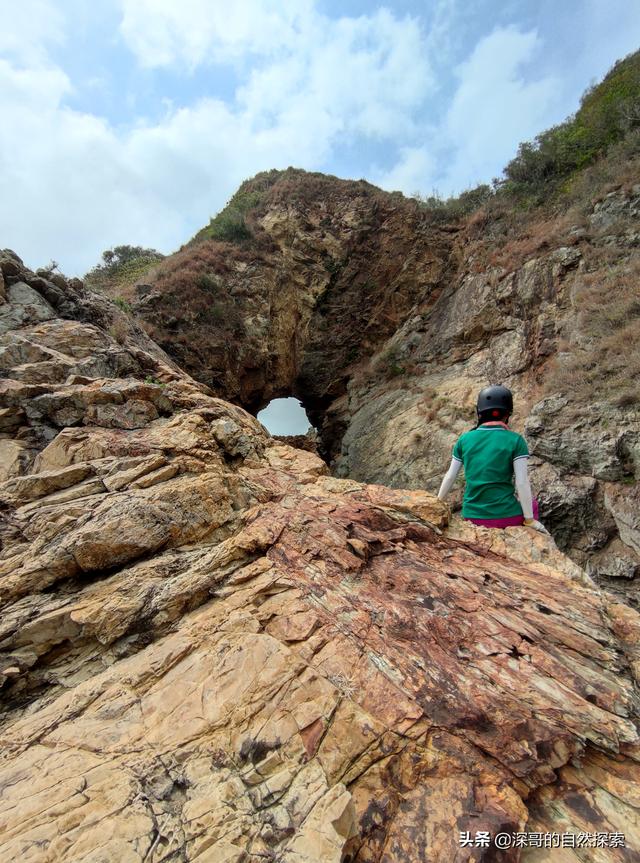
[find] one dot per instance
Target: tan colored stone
(123, 478)
(12, 453)
(82, 489)
(23, 489)
(10, 419)
(156, 476)
(329, 825)
(210, 649)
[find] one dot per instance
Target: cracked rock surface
(386, 324)
(212, 650)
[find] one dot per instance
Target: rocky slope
(293, 310)
(386, 322)
(213, 650)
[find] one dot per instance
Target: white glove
(537, 525)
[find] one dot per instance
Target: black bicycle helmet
(495, 398)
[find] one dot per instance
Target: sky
(284, 416)
(134, 121)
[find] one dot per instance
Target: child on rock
(493, 457)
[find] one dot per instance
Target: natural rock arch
(384, 322)
(212, 647)
(332, 271)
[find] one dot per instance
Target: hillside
(217, 646)
(213, 650)
(384, 315)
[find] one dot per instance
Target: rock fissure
(190, 589)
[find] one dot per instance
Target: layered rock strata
(385, 324)
(213, 650)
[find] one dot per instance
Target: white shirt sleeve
(523, 486)
(449, 478)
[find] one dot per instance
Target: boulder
(213, 649)
(24, 306)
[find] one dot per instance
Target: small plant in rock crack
(208, 283)
(344, 684)
(333, 267)
(119, 330)
(123, 304)
(151, 380)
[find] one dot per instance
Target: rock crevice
(212, 649)
(385, 323)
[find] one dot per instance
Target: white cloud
(357, 75)
(308, 86)
(410, 172)
(28, 27)
(494, 107)
(26, 91)
(163, 32)
(83, 188)
(85, 185)
(348, 75)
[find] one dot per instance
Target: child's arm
(523, 490)
(523, 487)
(449, 478)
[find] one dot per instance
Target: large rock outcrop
(386, 323)
(213, 650)
(294, 310)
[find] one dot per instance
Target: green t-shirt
(487, 454)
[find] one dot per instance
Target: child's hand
(537, 525)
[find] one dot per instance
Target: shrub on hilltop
(608, 112)
(121, 265)
(230, 224)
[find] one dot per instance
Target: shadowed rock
(213, 650)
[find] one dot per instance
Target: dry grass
(182, 270)
(618, 170)
(429, 404)
(149, 329)
(434, 407)
(194, 283)
(503, 234)
(538, 238)
(388, 366)
(119, 329)
(508, 239)
(599, 356)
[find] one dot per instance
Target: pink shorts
(511, 521)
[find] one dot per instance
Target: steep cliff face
(293, 310)
(386, 322)
(213, 650)
(560, 327)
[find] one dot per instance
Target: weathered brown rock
(26, 488)
(386, 322)
(213, 650)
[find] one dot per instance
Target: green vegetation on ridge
(231, 225)
(122, 265)
(609, 112)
